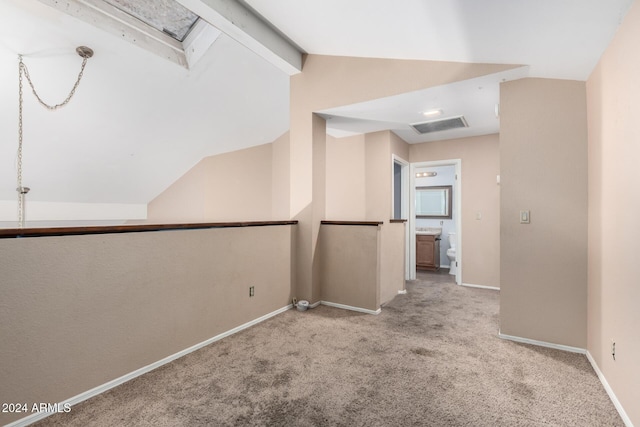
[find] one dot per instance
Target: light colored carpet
(431, 358)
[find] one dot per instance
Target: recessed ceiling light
(432, 113)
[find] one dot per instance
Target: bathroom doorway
(456, 225)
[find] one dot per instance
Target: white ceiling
(550, 38)
(557, 38)
(475, 99)
(138, 122)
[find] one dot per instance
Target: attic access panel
(167, 16)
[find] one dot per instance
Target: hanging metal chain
(24, 69)
(85, 53)
(20, 189)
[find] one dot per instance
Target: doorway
(457, 210)
(400, 208)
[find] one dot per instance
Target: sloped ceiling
(138, 122)
(557, 39)
(550, 38)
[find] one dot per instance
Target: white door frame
(457, 194)
(404, 207)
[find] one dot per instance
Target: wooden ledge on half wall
(365, 223)
(9, 233)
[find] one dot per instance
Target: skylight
(167, 16)
(163, 27)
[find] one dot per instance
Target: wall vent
(440, 125)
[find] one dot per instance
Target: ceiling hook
(84, 52)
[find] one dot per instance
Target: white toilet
(451, 253)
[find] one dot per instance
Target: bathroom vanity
(428, 248)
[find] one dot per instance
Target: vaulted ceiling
(139, 121)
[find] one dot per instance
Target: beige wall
(359, 184)
(361, 266)
(613, 108)
(92, 308)
(379, 148)
(543, 162)
(280, 178)
(345, 178)
(184, 200)
(286, 179)
(349, 258)
(392, 260)
(329, 81)
(399, 147)
(359, 175)
(480, 193)
(236, 186)
(317, 209)
(394, 235)
(378, 174)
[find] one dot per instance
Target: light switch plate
(525, 217)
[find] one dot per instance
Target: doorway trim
(405, 204)
(457, 194)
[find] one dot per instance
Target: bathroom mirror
(433, 202)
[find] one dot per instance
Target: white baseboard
(123, 379)
(470, 285)
(542, 343)
(402, 292)
(603, 380)
(609, 390)
(315, 304)
(348, 307)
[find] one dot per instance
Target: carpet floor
(431, 358)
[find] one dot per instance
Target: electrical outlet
(613, 349)
(251, 291)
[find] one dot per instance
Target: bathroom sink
(430, 231)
